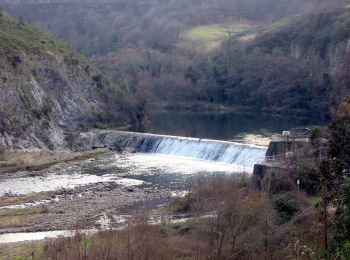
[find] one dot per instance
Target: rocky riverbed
(96, 193)
(29, 202)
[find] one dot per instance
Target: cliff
(46, 89)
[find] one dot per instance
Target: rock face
(114, 140)
(46, 88)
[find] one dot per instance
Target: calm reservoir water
(220, 126)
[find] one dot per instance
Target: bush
(286, 207)
(16, 60)
(302, 173)
(183, 205)
(98, 78)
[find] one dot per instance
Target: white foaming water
(210, 150)
(145, 164)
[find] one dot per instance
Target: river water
(220, 126)
(171, 163)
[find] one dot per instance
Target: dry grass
(225, 220)
(22, 251)
(4, 201)
(15, 160)
(248, 38)
(22, 217)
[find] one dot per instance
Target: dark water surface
(220, 126)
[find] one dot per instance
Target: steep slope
(299, 65)
(46, 88)
(160, 48)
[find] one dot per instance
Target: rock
(51, 94)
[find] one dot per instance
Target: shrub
(302, 173)
(183, 205)
(286, 207)
(16, 60)
(98, 79)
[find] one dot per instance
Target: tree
(339, 136)
(331, 172)
(343, 217)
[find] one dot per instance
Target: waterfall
(211, 150)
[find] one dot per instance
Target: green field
(210, 36)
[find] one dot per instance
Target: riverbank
(125, 188)
(12, 160)
(84, 199)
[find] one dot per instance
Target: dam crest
(234, 153)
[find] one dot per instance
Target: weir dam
(238, 154)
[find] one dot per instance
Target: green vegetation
(288, 69)
(314, 200)
(18, 161)
(175, 60)
(286, 207)
(210, 36)
(19, 38)
(43, 75)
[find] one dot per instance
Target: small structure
(286, 134)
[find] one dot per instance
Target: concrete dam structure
(239, 154)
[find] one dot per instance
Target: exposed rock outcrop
(46, 88)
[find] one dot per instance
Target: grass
(314, 199)
(210, 36)
(22, 251)
(248, 37)
(26, 211)
(18, 38)
(36, 161)
(19, 221)
(22, 217)
(44, 165)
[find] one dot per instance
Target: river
(165, 166)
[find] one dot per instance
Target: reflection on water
(220, 126)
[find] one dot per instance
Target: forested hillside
(301, 66)
(46, 88)
(98, 27)
(266, 55)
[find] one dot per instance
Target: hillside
(46, 88)
(285, 57)
(300, 64)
